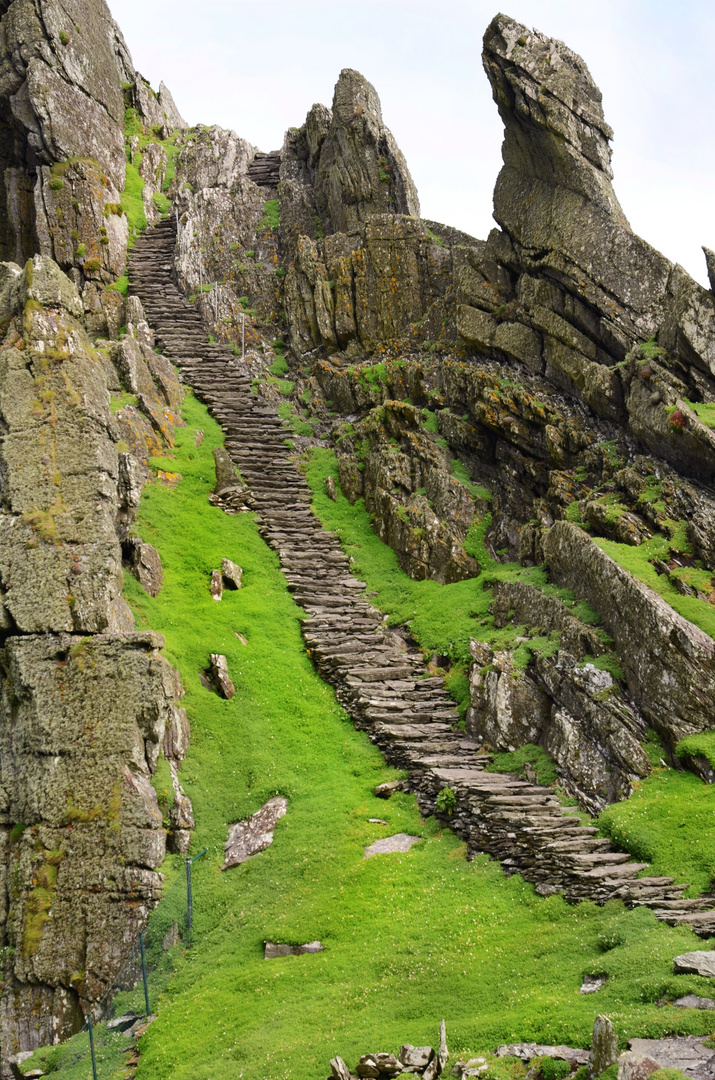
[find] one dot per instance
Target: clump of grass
(704, 412)
(132, 202)
(121, 285)
(702, 745)
(271, 215)
(668, 823)
(535, 756)
(279, 366)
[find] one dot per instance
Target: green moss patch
(529, 754)
(668, 822)
(702, 745)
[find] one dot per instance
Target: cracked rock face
(359, 168)
(589, 287)
(84, 860)
(64, 67)
(81, 832)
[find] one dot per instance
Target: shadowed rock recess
(541, 399)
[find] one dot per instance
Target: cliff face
(87, 703)
(66, 77)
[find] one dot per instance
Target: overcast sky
(257, 67)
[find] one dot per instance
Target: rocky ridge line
(379, 681)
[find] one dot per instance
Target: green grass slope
(409, 939)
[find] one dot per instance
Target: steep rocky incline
(381, 682)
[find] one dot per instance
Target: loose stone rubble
(273, 949)
(421, 1061)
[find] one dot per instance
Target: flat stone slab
(274, 949)
(527, 1051)
(592, 984)
(695, 963)
(247, 838)
(692, 1001)
(400, 842)
(686, 1052)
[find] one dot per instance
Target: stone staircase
(264, 170)
(380, 681)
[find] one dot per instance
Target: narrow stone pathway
(382, 683)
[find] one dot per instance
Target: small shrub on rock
(553, 1069)
(445, 804)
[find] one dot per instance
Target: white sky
(258, 66)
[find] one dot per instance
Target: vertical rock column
(85, 702)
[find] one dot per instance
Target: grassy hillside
(408, 939)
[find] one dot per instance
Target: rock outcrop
(227, 255)
(362, 267)
(581, 288)
(575, 404)
(405, 476)
(561, 699)
(66, 77)
(82, 832)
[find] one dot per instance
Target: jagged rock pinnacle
(556, 139)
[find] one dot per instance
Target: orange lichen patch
(168, 479)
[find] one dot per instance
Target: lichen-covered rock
(389, 280)
(570, 258)
(362, 268)
(560, 699)
(226, 235)
(76, 757)
(144, 563)
(60, 562)
(421, 510)
(668, 663)
(64, 70)
(149, 375)
(507, 708)
(85, 864)
(604, 1047)
(359, 168)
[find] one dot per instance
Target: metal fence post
(144, 977)
(190, 897)
(189, 903)
(91, 1046)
